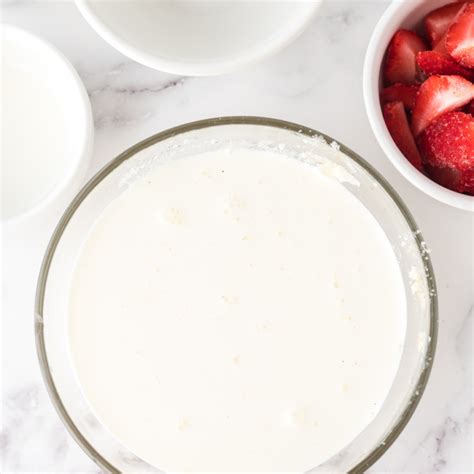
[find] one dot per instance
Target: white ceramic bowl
(54, 80)
(401, 14)
(197, 37)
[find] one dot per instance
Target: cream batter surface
(236, 311)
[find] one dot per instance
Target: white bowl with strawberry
(419, 95)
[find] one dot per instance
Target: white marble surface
(316, 81)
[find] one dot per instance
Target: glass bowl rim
(422, 381)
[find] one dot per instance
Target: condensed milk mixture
(236, 311)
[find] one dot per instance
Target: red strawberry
(462, 182)
(460, 37)
(438, 21)
(440, 46)
(397, 124)
(405, 93)
(400, 62)
(449, 142)
(438, 95)
(433, 62)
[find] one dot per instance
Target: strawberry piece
(440, 46)
(433, 62)
(447, 146)
(438, 95)
(400, 61)
(405, 93)
(462, 182)
(460, 36)
(449, 142)
(397, 124)
(438, 21)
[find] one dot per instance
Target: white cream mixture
(236, 312)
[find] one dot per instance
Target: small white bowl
(408, 15)
(46, 109)
(197, 37)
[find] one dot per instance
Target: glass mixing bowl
(51, 309)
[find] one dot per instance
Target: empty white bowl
(197, 37)
(401, 14)
(46, 123)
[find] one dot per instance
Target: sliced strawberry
(440, 46)
(405, 93)
(397, 124)
(449, 142)
(400, 61)
(447, 146)
(438, 21)
(438, 95)
(462, 182)
(433, 62)
(460, 36)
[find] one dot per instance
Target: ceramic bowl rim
(81, 159)
(196, 68)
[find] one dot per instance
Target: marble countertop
(316, 81)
